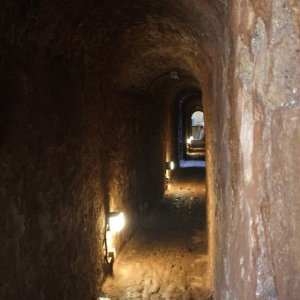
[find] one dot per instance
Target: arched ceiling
(157, 36)
(132, 41)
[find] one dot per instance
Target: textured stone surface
(256, 224)
(284, 226)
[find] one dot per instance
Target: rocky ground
(167, 257)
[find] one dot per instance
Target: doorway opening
(191, 132)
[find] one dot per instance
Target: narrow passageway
(167, 257)
(98, 98)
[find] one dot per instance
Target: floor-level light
(170, 165)
(189, 140)
(115, 222)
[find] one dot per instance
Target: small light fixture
(170, 165)
(116, 221)
(189, 140)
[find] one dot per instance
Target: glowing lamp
(116, 221)
(170, 165)
(189, 140)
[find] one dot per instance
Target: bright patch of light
(172, 165)
(116, 221)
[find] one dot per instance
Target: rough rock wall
(52, 174)
(258, 200)
(73, 146)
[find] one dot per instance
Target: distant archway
(197, 125)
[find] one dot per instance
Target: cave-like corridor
(98, 97)
(167, 257)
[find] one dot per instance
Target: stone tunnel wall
(257, 211)
(73, 146)
(69, 153)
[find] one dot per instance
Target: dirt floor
(167, 257)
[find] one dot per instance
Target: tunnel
(96, 97)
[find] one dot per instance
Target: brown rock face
(90, 97)
(256, 227)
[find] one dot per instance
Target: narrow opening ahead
(191, 133)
